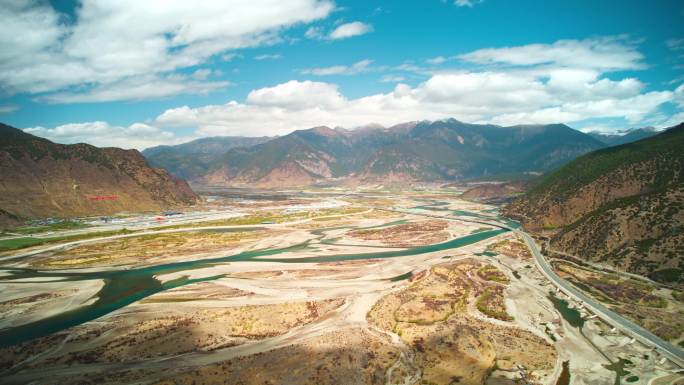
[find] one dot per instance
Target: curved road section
(628, 327)
(674, 354)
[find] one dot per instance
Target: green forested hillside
(622, 205)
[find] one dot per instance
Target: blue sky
(129, 74)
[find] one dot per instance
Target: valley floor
(327, 287)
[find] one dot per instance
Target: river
(123, 287)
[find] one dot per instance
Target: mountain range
(195, 157)
(442, 150)
(622, 206)
(39, 178)
(623, 137)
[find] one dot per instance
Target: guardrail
(674, 354)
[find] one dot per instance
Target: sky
(136, 74)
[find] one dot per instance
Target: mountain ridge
(624, 137)
(39, 178)
(409, 152)
(624, 203)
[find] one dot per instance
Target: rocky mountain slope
(194, 158)
(450, 149)
(495, 192)
(39, 178)
(412, 152)
(622, 206)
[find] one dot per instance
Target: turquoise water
(573, 316)
(436, 206)
(123, 287)
(433, 206)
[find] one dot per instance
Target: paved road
(675, 354)
(628, 327)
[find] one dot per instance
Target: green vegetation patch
(58, 226)
(491, 273)
(490, 303)
(668, 275)
(24, 242)
(268, 218)
(678, 295)
(19, 243)
(566, 180)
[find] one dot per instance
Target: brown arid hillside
(494, 191)
(39, 179)
(622, 206)
(414, 152)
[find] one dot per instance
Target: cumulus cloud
(102, 134)
(347, 30)
(494, 97)
(123, 40)
(502, 86)
(297, 95)
(356, 68)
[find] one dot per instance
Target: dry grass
(451, 346)
(144, 248)
(406, 235)
(348, 356)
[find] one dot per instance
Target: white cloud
(551, 89)
(606, 54)
(230, 56)
(410, 67)
(675, 44)
(273, 56)
(297, 95)
(202, 73)
(102, 134)
(540, 83)
(632, 109)
(494, 97)
(115, 40)
(27, 30)
(347, 30)
(392, 79)
(138, 88)
(8, 108)
(436, 60)
(672, 121)
(467, 3)
(679, 96)
(356, 68)
(314, 33)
